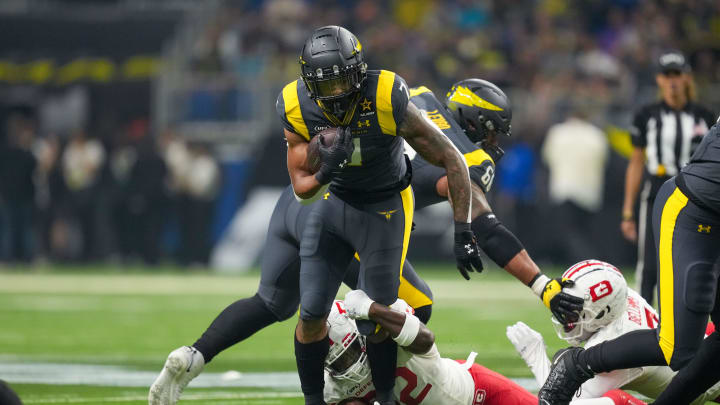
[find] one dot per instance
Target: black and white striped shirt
(669, 136)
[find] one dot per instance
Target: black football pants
(688, 244)
(334, 231)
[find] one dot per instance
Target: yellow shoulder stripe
(477, 157)
(383, 102)
(292, 110)
(419, 90)
(465, 96)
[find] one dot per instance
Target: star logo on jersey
(703, 228)
(388, 214)
(366, 104)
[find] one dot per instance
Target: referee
(664, 135)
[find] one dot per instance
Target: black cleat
(566, 377)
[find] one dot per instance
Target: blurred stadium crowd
(87, 196)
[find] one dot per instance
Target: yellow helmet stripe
(465, 96)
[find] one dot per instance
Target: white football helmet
(604, 290)
(347, 359)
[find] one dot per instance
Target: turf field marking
(188, 396)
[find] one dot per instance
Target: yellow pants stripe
(670, 212)
(383, 101)
(292, 110)
(414, 297)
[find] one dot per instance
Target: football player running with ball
(475, 112)
(611, 309)
(369, 207)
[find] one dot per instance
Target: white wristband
(409, 331)
(539, 285)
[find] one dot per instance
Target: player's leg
(701, 372)
(324, 258)
(382, 250)
(277, 299)
(649, 260)
(573, 366)
(687, 285)
(413, 289)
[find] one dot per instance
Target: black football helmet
(479, 107)
(333, 69)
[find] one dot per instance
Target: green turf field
(61, 331)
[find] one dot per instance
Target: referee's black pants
(646, 270)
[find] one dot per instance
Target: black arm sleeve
(495, 239)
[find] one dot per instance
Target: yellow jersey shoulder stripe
(477, 157)
(383, 102)
(419, 90)
(292, 110)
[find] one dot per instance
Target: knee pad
(700, 287)
(280, 305)
(313, 306)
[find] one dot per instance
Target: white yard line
(189, 396)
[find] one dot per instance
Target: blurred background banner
(140, 130)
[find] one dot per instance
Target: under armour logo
(469, 248)
(703, 228)
(388, 214)
(326, 196)
(361, 124)
(343, 164)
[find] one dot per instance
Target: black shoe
(565, 378)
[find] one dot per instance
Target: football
(326, 137)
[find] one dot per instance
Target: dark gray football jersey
(378, 168)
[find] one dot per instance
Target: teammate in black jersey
(369, 207)
(686, 223)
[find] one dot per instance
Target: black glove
(335, 157)
(467, 253)
(565, 308)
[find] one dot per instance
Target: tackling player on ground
(423, 377)
(611, 309)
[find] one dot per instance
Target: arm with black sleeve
(506, 250)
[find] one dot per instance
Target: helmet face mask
(347, 358)
(604, 291)
(333, 69)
